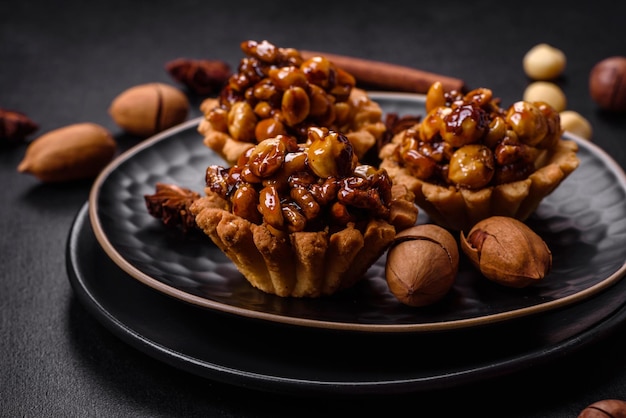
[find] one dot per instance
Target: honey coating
(302, 219)
(470, 158)
(277, 92)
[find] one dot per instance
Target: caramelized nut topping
(301, 187)
(279, 85)
(276, 92)
(469, 141)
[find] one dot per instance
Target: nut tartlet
(302, 219)
(277, 92)
(469, 158)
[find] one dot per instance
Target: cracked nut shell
(607, 408)
(148, 109)
(507, 251)
(422, 265)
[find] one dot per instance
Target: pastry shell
(459, 209)
(299, 264)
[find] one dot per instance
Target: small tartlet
(303, 220)
(469, 159)
(276, 92)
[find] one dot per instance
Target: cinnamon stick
(386, 76)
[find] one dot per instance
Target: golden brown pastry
(302, 219)
(469, 159)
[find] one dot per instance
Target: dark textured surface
(63, 63)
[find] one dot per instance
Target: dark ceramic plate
(583, 222)
(283, 358)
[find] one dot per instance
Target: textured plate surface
(583, 222)
(261, 354)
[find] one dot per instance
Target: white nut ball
(575, 123)
(544, 62)
(545, 91)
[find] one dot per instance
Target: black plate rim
(267, 382)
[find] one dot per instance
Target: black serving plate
(286, 358)
(583, 222)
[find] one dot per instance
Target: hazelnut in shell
(506, 251)
(422, 265)
(607, 84)
(148, 109)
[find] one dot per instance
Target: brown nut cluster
(422, 265)
(507, 251)
(294, 187)
(469, 141)
(277, 92)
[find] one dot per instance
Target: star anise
(203, 77)
(170, 204)
(15, 126)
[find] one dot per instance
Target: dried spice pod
(422, 264)
(203, 77)
(74, 152)
(507, 251)
(170, 203)
(15, 126)
(147, 109)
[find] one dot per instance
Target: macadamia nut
(544, 62)
(545, 91)
(574, 122)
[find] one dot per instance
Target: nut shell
(147, 109)
(507, 251)
(613, 408)
(607, 84)
(422, 265)
(73, 152)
